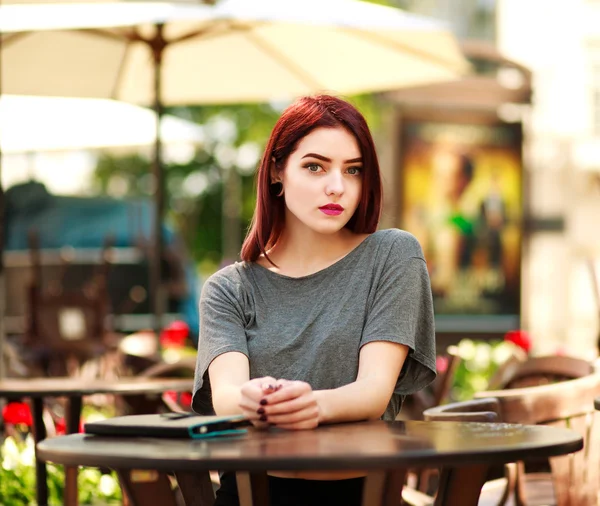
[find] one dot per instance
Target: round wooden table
(74, 389)
(384, 450)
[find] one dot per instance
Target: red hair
(297, 121)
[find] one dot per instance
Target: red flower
(17, 413)
(441, 363)
(61, 427)
(174, 335)
(519, 338)
(185, 398)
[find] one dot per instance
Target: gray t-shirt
(311, 328)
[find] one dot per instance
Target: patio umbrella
(42, 124)
(236, 51)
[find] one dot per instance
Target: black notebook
(169, 425)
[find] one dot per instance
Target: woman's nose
(335, 184)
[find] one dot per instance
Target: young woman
(325, 320)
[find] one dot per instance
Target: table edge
(428, 458)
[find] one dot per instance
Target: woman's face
(322, 181)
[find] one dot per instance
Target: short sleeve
(222, 329)
(401, 311)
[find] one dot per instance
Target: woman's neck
(301, 252)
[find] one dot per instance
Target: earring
(276, 189)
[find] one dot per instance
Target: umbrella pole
(156, 288)
(2, 233)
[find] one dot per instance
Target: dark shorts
(294, 492)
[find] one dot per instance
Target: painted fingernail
(263, 402)
(263, 418)
(261, 411)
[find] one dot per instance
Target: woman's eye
(313, 167)
(354, 171)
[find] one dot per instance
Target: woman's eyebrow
(325, 159)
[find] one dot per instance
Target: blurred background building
(547, 81)
(559, 41)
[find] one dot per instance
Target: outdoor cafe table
(384, 450)
(73, 389)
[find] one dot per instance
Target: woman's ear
(273, 172)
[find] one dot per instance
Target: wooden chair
(487, 410)
(574, 479)
(144, 404)
(66, 327)
(507, 369)
(594, 270)
(437, 393)
(544, 370)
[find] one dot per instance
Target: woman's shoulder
(398, 242)
(229, 279)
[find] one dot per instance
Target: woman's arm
(227, 373)
(297, 406)
(367, 398)
(233, 392)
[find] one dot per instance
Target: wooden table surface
(74, 389)
(377, 447)
(56, 387)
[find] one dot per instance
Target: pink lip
(332, 209)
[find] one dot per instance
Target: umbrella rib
(121, 72)
(280, 58)
(419, 53)
(13, 37)
(129, 35)
(208, 30)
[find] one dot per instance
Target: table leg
(146, 487)
(253, 488)
(384, 488)
(73, 417)
(461, 486)
(39, 433)
(196, 488)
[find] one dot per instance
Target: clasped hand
(282, 403)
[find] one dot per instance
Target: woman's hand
(253, 392)
(293, 405)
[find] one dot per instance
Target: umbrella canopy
(237, 51)
(41, 124)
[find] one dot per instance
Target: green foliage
(480, 360)
(17, 478)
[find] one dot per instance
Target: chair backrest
(443, 383)
(507, 369)
(437, 392)
(178, 402)
(67, 322)
(547, 369)
(594, 269)
(475, 410)
(568, 404)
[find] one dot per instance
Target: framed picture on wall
(461, 196)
